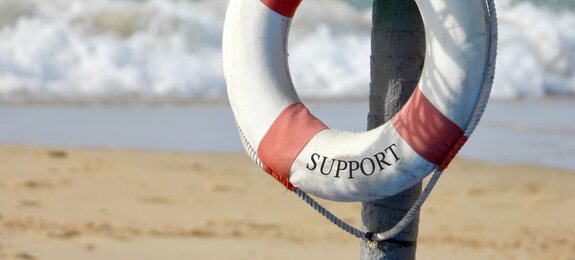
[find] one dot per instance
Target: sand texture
(118, 204)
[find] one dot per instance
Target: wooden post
(398, 50)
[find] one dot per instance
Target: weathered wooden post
(398, 50)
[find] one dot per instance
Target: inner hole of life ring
(329, 56)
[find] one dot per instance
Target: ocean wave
(536, 52)
(169, 49)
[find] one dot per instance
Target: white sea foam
(107, 48)
(536, 52)
(91, 49)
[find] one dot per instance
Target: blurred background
(144, 74)
(144, 77)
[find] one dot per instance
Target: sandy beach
(127, 204)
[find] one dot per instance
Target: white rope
(416, 207)
(329, 216)
(411, 214)
(249, 149)
(490, 74)
(477, 113)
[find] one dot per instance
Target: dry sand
(117, 204)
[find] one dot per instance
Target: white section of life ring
(363, 166)
(255, 66)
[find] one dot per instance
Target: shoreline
(93, 203)
(509, 132)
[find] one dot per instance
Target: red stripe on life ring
(427, 131)
(285, 139)
(283, 7)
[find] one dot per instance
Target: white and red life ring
(300, 151)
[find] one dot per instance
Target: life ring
(300, 151)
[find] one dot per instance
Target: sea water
(170, 49)
(535, 132)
